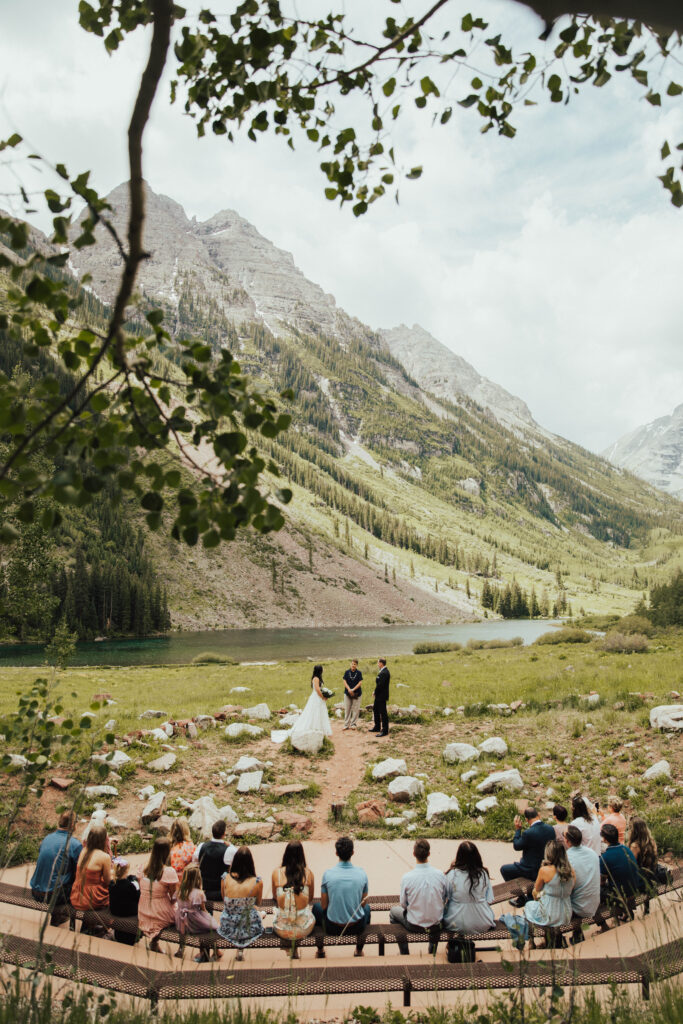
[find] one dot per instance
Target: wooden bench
(86, 968)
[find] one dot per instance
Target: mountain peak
(653, 452)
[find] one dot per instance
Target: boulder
(95, 791)
(405, 788)
(237, 729)
(394, 821)
(486, 804)
(468, 776)
(247, 764)
(262, 829)
(301, 823)
(205, 813)
(371, 811)
(289, 719)
(205, 721)
(163, 763)
(456, 752)
(60, 782)
(261, 712)
(115, 760)
(591, 698)
(226, 813)
(440, 803)
(668, 717)
(158, 734)
(17, 760)
(291, 790)
(154, 808)
(146, 792)
(412, 711)
(162, 826)
(168, 728)
(495, 745)
(509, 779)
(280, 735)
(660, 770)
(305, 742)
(191, 731)
(154, 714)
(391, 766)
(110, 725)
(249, 782)
(447, 712)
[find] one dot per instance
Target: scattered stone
(237, 729)
(412, 827)
(240, 689)
(631, 793)
(394, 821)
(162, 825)
(154, 714)
(154, 808)
(516, 705)
(61, 783)
(297, 822)
(228, 710)
(102, 698)
(262, 829)
(158, 734)
(205, 813)
(410, 712)
(371, 811)
(249, 782)
(446, 712)
(260, 711)
(494, 745)
(110, 725)
(389, 767)
(168, 728)
(290, 790)
(455, 752)
(468, 776)
(115, 760)
(440, 803)
(93, 791)
(291, 718)
(660, 770)
(247, 764)
(191, 731)
(405, 788)
(280, 735)
(591, 698)
(146, 792)
(510, 780)
(205, 721)
(486, 804)
(668, 717)
(163, 763)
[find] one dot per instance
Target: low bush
(595, 621)
(634, 624)
(566, 635)
(619, 643)
(211, 658)
(434, 647)
(495, 644)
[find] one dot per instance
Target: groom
(381, 726)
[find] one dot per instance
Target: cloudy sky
(552, 262)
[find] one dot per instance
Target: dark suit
(532, 842)
(381, 698)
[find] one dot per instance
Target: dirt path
(341, 773)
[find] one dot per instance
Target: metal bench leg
(407, 989)
(320, 947)
(645, 986)
(380, 945)
(360, 942)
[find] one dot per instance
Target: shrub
(567, 635)
(634, 624)
(492, 645)
(434, 647)
(618, 643)
(211, 658)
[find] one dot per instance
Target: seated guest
(470, 893)
(585, 863)
(424, 893)
(213, 858)
(532, 842)
(242, 890)
(613, 816)
(191, 915)
(98, 819)
(587, 822)
(56, 867)
(343, 903)
(551, 906)
(644, 849)
(293, 886)
(620, 877)
(560, 815)
(91, 886)
(158, 887)
(124, 896)
(182, 847)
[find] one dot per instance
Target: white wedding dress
(312, 726)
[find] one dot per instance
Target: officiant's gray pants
(351, 708)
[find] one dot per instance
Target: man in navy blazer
(532, 842)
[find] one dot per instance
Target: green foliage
(494, 644)
(566, 635)
(617, 642)
(666, 602)
(629, 624)
(433, 647)
(62, 647)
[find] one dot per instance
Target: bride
(313, 724)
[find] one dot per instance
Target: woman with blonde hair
(158, 885)
(550, 906)
(182, 847)
(191, 915)
(93, 873)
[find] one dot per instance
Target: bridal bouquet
(326, 692)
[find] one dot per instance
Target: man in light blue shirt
(424, 893)
(343, 906)
(585, 895)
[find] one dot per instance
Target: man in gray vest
(214, 859)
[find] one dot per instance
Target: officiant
(381, 726)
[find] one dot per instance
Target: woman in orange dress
(182, 847)
(90, 890)
(158, 885)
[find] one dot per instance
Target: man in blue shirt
(620, 877)
(532, 842)
(343, 906)
(56, 867)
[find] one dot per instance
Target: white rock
(18, 760)
(236, 729)
(447, 711)
(206, 721)
(260, 711)
(306, 742)
(92, 791)
(631, 792)
(591, 698)
(146, 792)
(394, 821)
(159, 735)
(154, 714)
(440, 803)
(154, 808)
(168, 728)
(468, 776)
(412, 827)
(240, 689)
(391, 766)
(226, 813)
(115, 760)
(495, 745)
(486, 804)
(247, 764)
(509, 779)
(249, 782)
(163, 763)
(110, 725)
(290, 719)
(205, 813)
(455, 752)
(667, 716)
(660, 770)
(409, 815)
(280, 735)
(405, 788)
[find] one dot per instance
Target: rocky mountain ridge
(654, 452)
